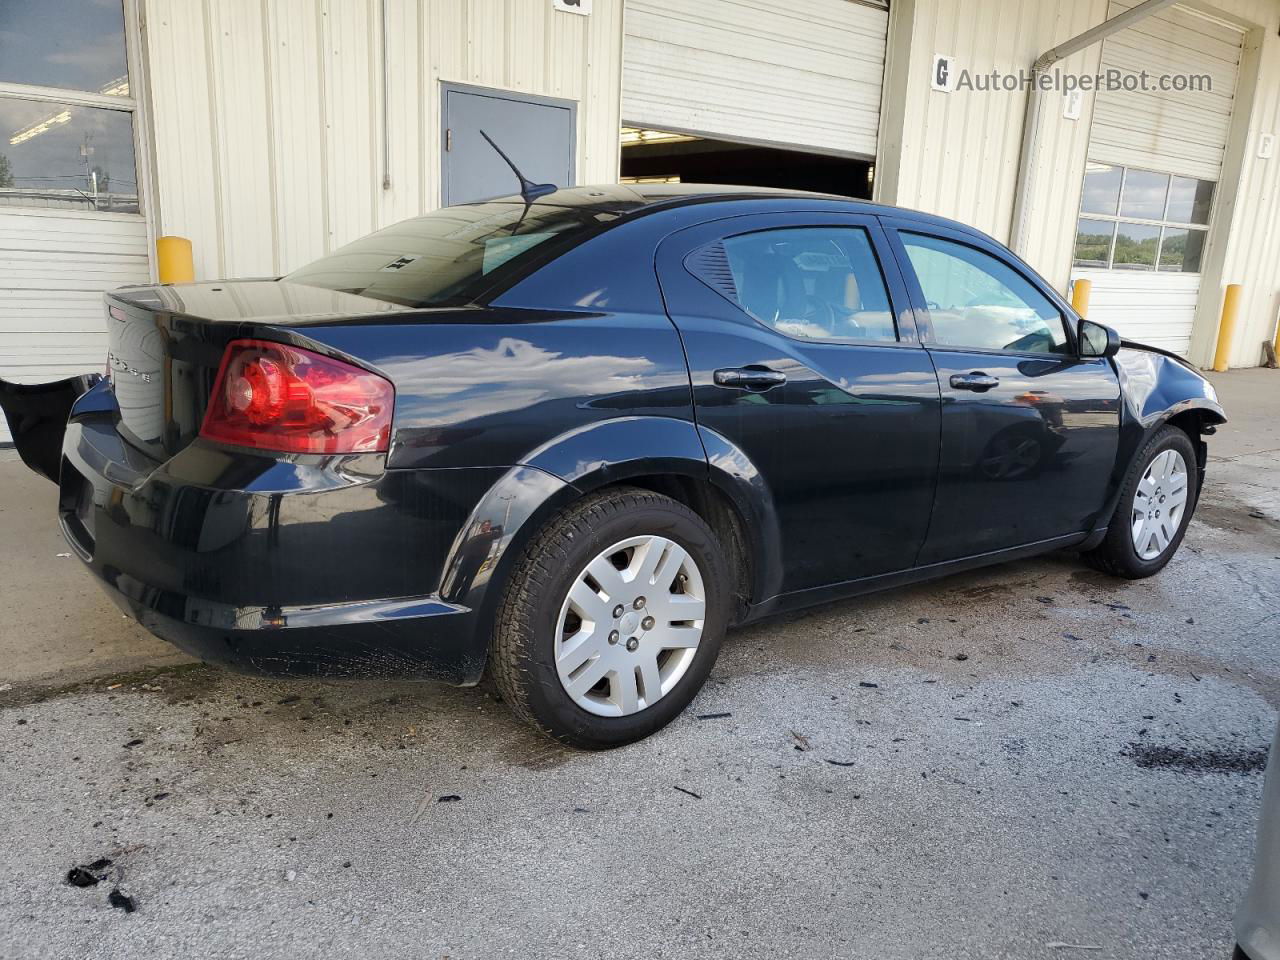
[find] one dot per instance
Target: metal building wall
(1252, 252)
(268, 121)
(956, 153)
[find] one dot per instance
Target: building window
(1133, 219)
(66, 108)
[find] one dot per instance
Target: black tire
(1116, 554)
(522, 652)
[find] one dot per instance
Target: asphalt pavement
(1029, 761)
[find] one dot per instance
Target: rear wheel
(612, 619)
(1156, 502)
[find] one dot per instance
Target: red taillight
(275, 397)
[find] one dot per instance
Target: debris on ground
(842, 763)
(802, 742)
(1238, 760)
(89, 874)
(696, 796)
(122, 901)
(448, 798)
(869, 685)
(962, 657)
(714, 716)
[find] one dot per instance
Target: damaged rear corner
(37, 416)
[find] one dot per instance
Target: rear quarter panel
(488, 393)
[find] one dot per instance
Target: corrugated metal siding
(55, 269)
(1253, 248)
(267, 116)
(1186, 132)
(805, 74)
(957, 153)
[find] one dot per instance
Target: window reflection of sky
(55, 154)
(74, 44)
(80, 152)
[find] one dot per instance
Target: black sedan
(572, 438)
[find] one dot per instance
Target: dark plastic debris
(696, 796)
(88, 874)
(80, 877)
(868, 684)
(714, 716)
(449, 798)
(122, 901)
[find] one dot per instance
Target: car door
(803, 356)
(1029, 429)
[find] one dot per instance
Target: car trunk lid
(164, 348)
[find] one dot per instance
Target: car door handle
(977, 381)
(749, 378)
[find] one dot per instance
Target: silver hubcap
(1158, 504)
(630, 626)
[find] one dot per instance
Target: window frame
(1115, 218)
(1069, 319)
(131, 105)
(676, 248)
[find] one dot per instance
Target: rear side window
(976, 300)
(815, 283)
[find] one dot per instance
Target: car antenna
(529, 190)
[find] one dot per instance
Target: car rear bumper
(306, 566)
(420, 637)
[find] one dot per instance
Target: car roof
(636, 199)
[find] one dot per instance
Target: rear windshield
(453, 255)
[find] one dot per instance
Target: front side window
(977, 301)
(1133, 219)
(812, 283)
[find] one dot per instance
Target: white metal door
(56, 267)
(799, 74)
(1182, 133)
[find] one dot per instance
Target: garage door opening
(656, 156)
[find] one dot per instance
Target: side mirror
(1095, 340)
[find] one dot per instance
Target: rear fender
(37, 414)
(573, 465)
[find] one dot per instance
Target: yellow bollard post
(1227, 327)
(173, 259)
(1080, 291)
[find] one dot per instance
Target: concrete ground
(1028, 761)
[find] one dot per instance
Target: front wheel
(1156, 501)
(612, 619)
